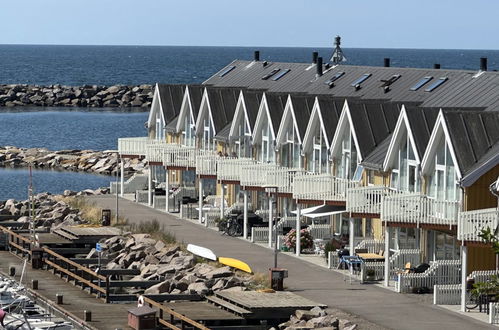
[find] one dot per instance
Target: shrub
(306, 240)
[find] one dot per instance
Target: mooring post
(59, 299)
(34, 284)
(87, 316)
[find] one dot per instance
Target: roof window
(280, 74)
(270, 74)
(421, 83)
(437, 83)
(331, 81)
(226, 70)
(362, 78)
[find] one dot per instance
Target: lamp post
(272, 190)
(117, 194)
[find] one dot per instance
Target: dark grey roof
(252, 100)
(302, 105)
(223, 135)
(331, 111)
(171, 100)
(196, 95)
(171, 127)
(473, 135)
(223, 103)
(421, 121)
(276, 103)
(373, 122)
(375, 159)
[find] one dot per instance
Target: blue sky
(456, 24)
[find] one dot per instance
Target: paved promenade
(382, 307)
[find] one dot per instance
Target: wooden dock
(104, 316)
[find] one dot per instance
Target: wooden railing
(367, 200)
(180, 156)
(282, 178)
(323, 187)
(206, 164)
(229, 169)
(173, 320)
(255, 175)
(471, 223)
(133, 146)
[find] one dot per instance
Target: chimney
(314, 57)
(257, 56)
(436, 66)
(319, 66)
(386, 62)
(483, 64)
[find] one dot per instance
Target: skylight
(227, 70)
(437, 83)
(361, 79)
(270, 74)
(331, 81)
(280, 74)
(421, 83)
(391, 80)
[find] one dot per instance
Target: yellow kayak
(235, 263)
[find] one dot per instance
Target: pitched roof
(252, 99)
(171, 100)
(302, 105)
(276, 103)
(330, 111)
(421, 122)
(223, 103)
(195, 96)
(375, 159)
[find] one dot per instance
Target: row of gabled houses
(402, 156)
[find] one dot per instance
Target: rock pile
(99, 162)
(177, 270)
(49, 211)
(76, 96)
(316, 318)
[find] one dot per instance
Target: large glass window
(346, 163)
(290, 150)
(267, 150)
(405, 172)
(442, 182)
(160, 133)
(318, 158)
(208, 143)
(242, 143)
(189, 133)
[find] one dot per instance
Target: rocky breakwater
(100, 162)
(178, 271)
(50, 210)
(316, 318)
(76, 96)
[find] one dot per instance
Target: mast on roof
(338, 55)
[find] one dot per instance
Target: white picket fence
(494, 313)
(324, 187)
(447, 294)
(471, 223)
(378, 267)
(372, 245)
(400, 258)
(367, 200)
(320, 231)
(440, 272)
(141, 196)
(483, 275)
(135, 182)
(261, 234)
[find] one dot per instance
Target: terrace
(321, 187)
(133, 146)
(471, 223)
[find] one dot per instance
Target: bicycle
(234, 228)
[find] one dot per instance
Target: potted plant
(370, 274)
(306, 240)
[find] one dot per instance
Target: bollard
(87, 316)
(34, 284)
(12, 271)
(58, 299)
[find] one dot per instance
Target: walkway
(377, 305)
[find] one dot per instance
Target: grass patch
(153, 228)
(259, 281)
(89, 211)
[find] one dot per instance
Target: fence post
(107, 289)
(492, 313)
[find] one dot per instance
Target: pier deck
(104, 316)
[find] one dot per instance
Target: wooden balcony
(367, 200)
(321, 187)
(180, 157)
(229, 169)
(282, 178)
(471, 223)
(135, 146)
(155, 151)
(256, 175)
(418, 209)
(206, 163)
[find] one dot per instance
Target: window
(346, 163)
(243, 141)
(421, 83)
(188, 134)
(290, 150)
(443, 184)
(226, 70)
(270, 74)
(363, 78)
(207, 135)
(331, 81)
(280, 74)
(437, 83)
(405, 172)
(267, 150)
(160, 134)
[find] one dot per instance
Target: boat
(201, 252)
(235, 263)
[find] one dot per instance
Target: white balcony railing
(367, 200)
(256, 175)
(206, 164)
(155, 151)
(324, 187)
(471, 223)
(180, 156)
(282, 178)
(440, 272)
(133, 146)
(418, 208)
(229, 169)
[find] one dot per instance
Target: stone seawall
(101, 162)
(92, 96)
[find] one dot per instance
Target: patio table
(371, 256)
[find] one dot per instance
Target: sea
(99, 129)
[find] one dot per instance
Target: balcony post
(270, 220)
(200, 198)
(167, 191)
(222, 201)
(464, 266)
(149, 186)
(245, 214)
(122, 179)
(351, 236)
(396, 239)
(387, 255)
(298, 230)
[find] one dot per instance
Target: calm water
(107, 65)
(14, 182)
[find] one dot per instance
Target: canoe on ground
(235, 263)
(201, 252)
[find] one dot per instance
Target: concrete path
(377, 305)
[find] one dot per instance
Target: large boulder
(198, 288)
(159, 288)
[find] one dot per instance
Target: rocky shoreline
(92, 96)
(98, 162)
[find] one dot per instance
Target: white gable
(185, 110)
(263, 114)
(344, 122)
(315, 120)
(204, 112)
(288, 121)
(155, 107)
(240, 115)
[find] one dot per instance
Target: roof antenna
(337, 56)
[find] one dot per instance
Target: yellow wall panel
(480, 258)
(478, 196)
